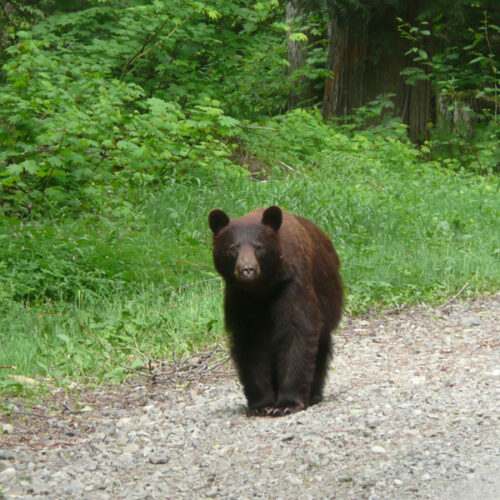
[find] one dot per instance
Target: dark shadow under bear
(283, 298)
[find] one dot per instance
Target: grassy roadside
(135, 280)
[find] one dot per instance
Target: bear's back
(323, 264)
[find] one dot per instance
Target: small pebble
(470, 321)
(7, 428)
(6, 455)
(158, 459)
(8, 474)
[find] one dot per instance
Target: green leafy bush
(465, 75)
(112, 93)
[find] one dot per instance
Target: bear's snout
(247, 268)
(247, 272)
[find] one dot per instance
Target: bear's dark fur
(283, 298)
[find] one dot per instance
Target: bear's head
(247, 251)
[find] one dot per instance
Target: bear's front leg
(255, 373)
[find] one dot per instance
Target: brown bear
(283, 298)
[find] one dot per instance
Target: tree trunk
(297, 58)
(365, 61)
(454, 114)
(416, 112)
(344, 88)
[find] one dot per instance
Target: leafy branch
(150, 39)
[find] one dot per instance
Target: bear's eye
(234, 248)
(259, 248)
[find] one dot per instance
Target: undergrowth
(96, 296)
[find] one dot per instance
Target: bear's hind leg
(323, 357)
(296, 371)
(297, 326)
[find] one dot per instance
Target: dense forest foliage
(123, 122)
(102, 92)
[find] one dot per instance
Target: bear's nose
(248, 271)
(247, 265)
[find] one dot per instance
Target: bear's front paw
(261, 411)
(275, 411)
(287, 405)
(283, 411)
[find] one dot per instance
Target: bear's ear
(217, 219)
(273, 217)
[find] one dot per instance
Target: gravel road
(412, 410)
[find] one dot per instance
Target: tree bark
(365, 61)
(416, 112)
(344, 88)
(297, 58)
(454, 114)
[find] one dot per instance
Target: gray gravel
(412, 410)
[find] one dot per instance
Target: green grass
(79, 294)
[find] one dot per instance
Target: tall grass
(81, 297)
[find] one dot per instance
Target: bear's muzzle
(247, 267)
